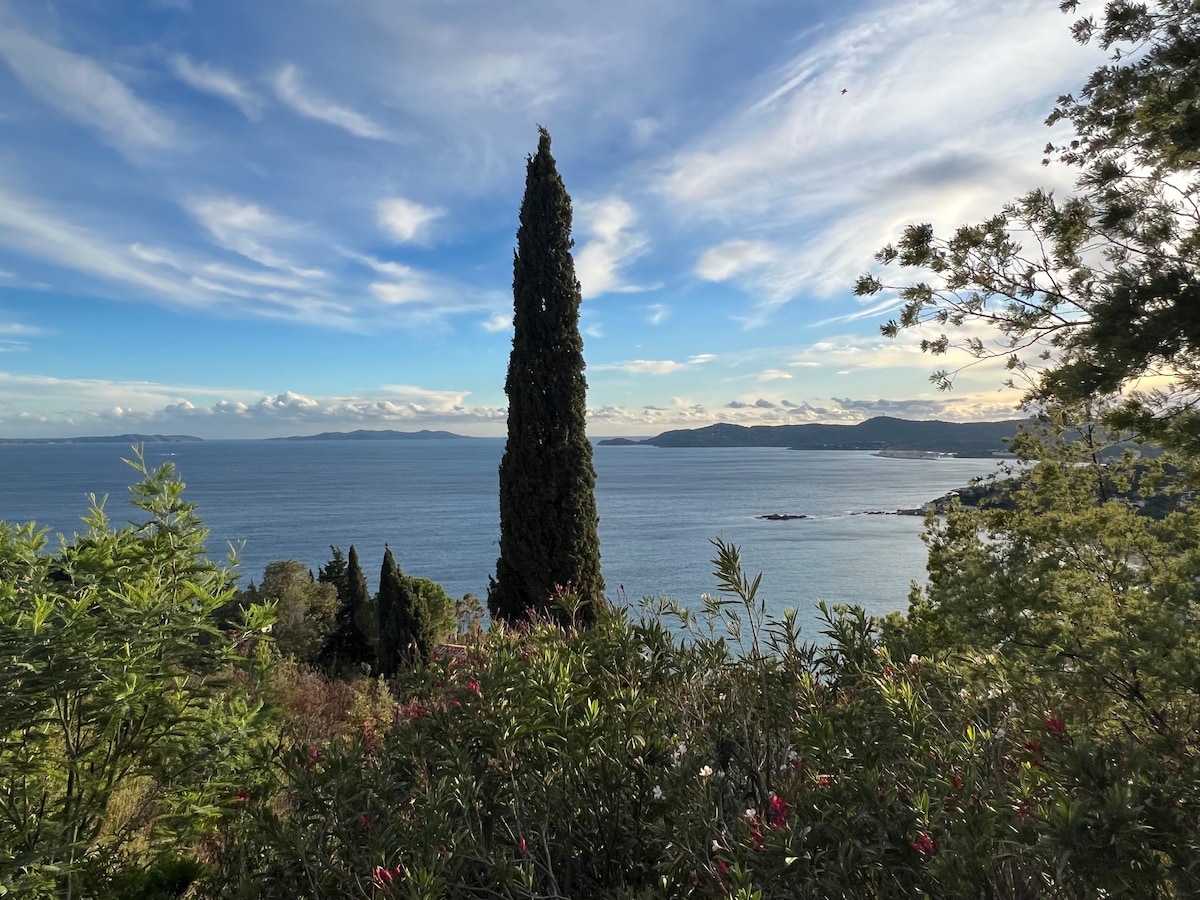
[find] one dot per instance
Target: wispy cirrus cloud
(14, 335)
(217, 82)
(815, 180)
(85, 91)
(657, 313)
(49, 234)
(643, 367)
(774, 375)
(291, 91)
(247, 229)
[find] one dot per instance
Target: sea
(435, 503)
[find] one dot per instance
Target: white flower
(914, 659)
(750, 813)
(964, 694)
(656, 793)
(705, 771)
(680, 750)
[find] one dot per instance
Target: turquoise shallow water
(435, 503)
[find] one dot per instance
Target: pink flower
(778, 812)
(473, 687)
(722, 867)
(412, 710)
(524, 847)
(364, 822)
(241, 797)
(385, 877)
(924, 845)
(314, 756)
(958, 782)
(1055, 726)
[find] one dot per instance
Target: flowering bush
(712, 756)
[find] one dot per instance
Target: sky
(243, 219)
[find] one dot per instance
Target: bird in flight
(845, 90)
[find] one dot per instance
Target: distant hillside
(880, 433)
(364, 435)
(108, 439)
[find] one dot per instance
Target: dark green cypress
(548, 518)
(358, 598)
(397, 620)
(348, 650)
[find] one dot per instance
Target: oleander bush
(719, 755)
(123, 728)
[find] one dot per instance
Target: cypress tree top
(547, 502)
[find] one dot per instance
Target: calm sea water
(436, 504)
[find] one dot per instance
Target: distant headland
(109, 439)
(880, 433)
(365, 435)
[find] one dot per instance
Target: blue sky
(244, 219)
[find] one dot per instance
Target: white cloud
(81, 406)
(84, 91)
(498, 322)
(612, 246)
(398, 292)
(645, 366)
(595, 330)
(219, 83)
(405, 220)
(290, 91)
(773, 375)
(701, 358)
(732, 258)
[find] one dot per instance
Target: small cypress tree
(548, 537)
(358, 596)
(398, 637)
(334, 571)
(348, 650)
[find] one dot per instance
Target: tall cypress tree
(398, 646)
(548, 515)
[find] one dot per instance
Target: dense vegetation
(1030, 728)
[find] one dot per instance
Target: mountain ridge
(363, 434)
(110, 439)
(878, 433)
